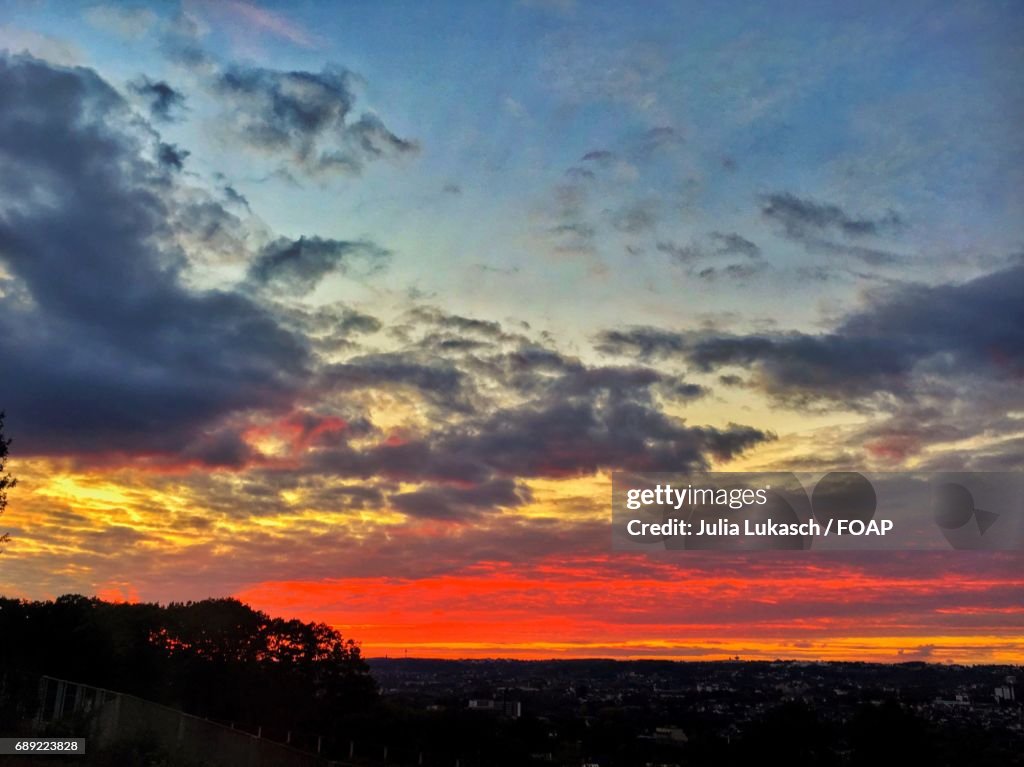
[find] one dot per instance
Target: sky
(350, 310)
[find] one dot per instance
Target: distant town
(605, 712)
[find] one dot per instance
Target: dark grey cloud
(717, 245)
(816, 225)
(738, 272)
(682, 254)
(165, 103)
(438, 381)
(551, 438)
(870, 256)
(351, 321)
(798, 216)
(696, 257)
(234, 197)
(438, 318)
(555, 417)
(172, 156)
(305, 118)
(452, 502)
(617, 383)
(222, 448)
(562, 437)
(646, 343)
(599, 156)
(298, 266)
(203, 225)
(903, 336)
(330, 329)
(732, 244)
(111, 351)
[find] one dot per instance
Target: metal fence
(111, 716)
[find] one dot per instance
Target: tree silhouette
(217, 658)
(6, 480)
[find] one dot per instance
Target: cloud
(351, 321)
(113, 351)
(329, 328)
(682, 254)
(715, 246)
(815, 225)
(121, 360)
(799, 216)
(555, 418)
(456, 322)
(262, 20)
(903, 339)
(200, 223)
(304, 118)
(298, 266)
(17, 40)
(599, 156)
(438, 381)
(461, 503)
(172, 156)
(737, 272)
(732, 244)
(164, 102)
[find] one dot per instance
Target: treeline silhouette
(217, 658)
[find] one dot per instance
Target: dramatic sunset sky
(351, 309)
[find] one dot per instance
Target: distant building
(959, 700)
(513, 709)
(667, 735)
(670, 734)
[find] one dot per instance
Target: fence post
(44, 687)
(58, 702)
